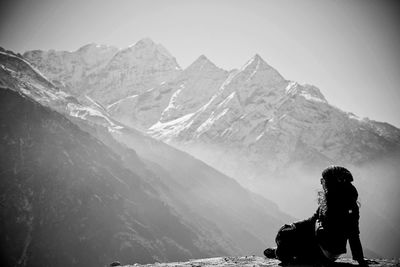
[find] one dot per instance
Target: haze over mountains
(274, 136)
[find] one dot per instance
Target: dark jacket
(327, 228)
(336, 225)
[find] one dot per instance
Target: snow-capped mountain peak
(144, 51)
(255, 63)
(257, 68)
(201, 63)
(147, 46)
(193, 88)
(105, 73)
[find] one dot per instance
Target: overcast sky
(349, 49)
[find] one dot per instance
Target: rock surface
(254, 261)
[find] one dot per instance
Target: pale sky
(348, 48)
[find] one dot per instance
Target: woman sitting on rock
(323, 237)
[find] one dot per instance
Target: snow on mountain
(133, 71)
(70, 69)
(169, 100)
(106, 73)
(262, 118)
(19, 75)
(196, 85)
(251, 113)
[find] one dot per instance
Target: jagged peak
(202, 63)
(258, 65)
(257, 57)
(255, 62)
(146, 52)
(310, 92)
(202, 57)
(144, 42)
(147, 44)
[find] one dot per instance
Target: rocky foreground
(253, 261)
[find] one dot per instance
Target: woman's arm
(354, 237)
(356, 248)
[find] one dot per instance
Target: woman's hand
(363, 262)
(366, 262)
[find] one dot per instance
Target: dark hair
(338, 189)
(337, 174)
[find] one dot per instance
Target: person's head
(335, 176)
(337, 185)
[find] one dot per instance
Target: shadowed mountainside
(68, 201)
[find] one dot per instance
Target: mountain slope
(248, 219)
(67, 201)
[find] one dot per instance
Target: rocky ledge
(254, 261)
